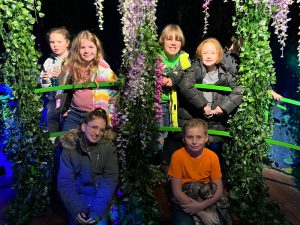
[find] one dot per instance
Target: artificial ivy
(138, 129)
(27, 146)
(247, 151)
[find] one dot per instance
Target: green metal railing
(166, 98)
(78, 86)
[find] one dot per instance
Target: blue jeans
(73, 119)
(165, 114)
(53, 117)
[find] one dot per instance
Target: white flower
(99, 13)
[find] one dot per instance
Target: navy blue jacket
(87, 176)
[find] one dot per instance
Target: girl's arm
(44, 78)
(66, 185)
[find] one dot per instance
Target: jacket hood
(69, 140)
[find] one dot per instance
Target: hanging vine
(26, 145)
(99, 12)
(138, 128)
(298, 48)
(280, 10)
(247, 151)
(205, 6)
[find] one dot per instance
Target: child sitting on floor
(196, 180)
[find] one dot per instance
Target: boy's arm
(219, 192)
(195, 207)
(180, 197)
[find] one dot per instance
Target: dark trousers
(73, 119)
(179, 217)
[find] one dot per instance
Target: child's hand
(167, 82)
(207, 111)
(276, 96)
(47, 75)
(65, 114)
(217, 111)
(55, 73)
(193, 207)
(81, 218)
(91, 221)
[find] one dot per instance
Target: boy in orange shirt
(196, 180)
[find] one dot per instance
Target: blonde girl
(212, 106)
(85, 64)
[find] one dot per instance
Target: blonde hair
(60, 30)
(74, 64)
(216, 43)
(168, 31)
(194, 123)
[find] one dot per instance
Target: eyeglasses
(96, 128)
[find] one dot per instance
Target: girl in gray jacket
(210, 105)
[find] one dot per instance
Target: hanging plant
(99, 13)
(159, 90)
(138, 128)
(298, 48)
(247, 150)
(26, 144)
(280, 10)
(205, 6)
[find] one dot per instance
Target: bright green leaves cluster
(27, 145)
(247, 151)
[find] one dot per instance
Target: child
(196, 181)
(175, 62)
(59, 40)
(212, 106)
(88, 169)
(85, 64)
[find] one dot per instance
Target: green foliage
(139, 132)
(247, 151)
(27, 146)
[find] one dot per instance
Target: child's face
(195, 139)
(87, 51)
(94, 130)
(171, 46)
(58, 43)
(209, 54)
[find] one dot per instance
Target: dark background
(78, 15)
